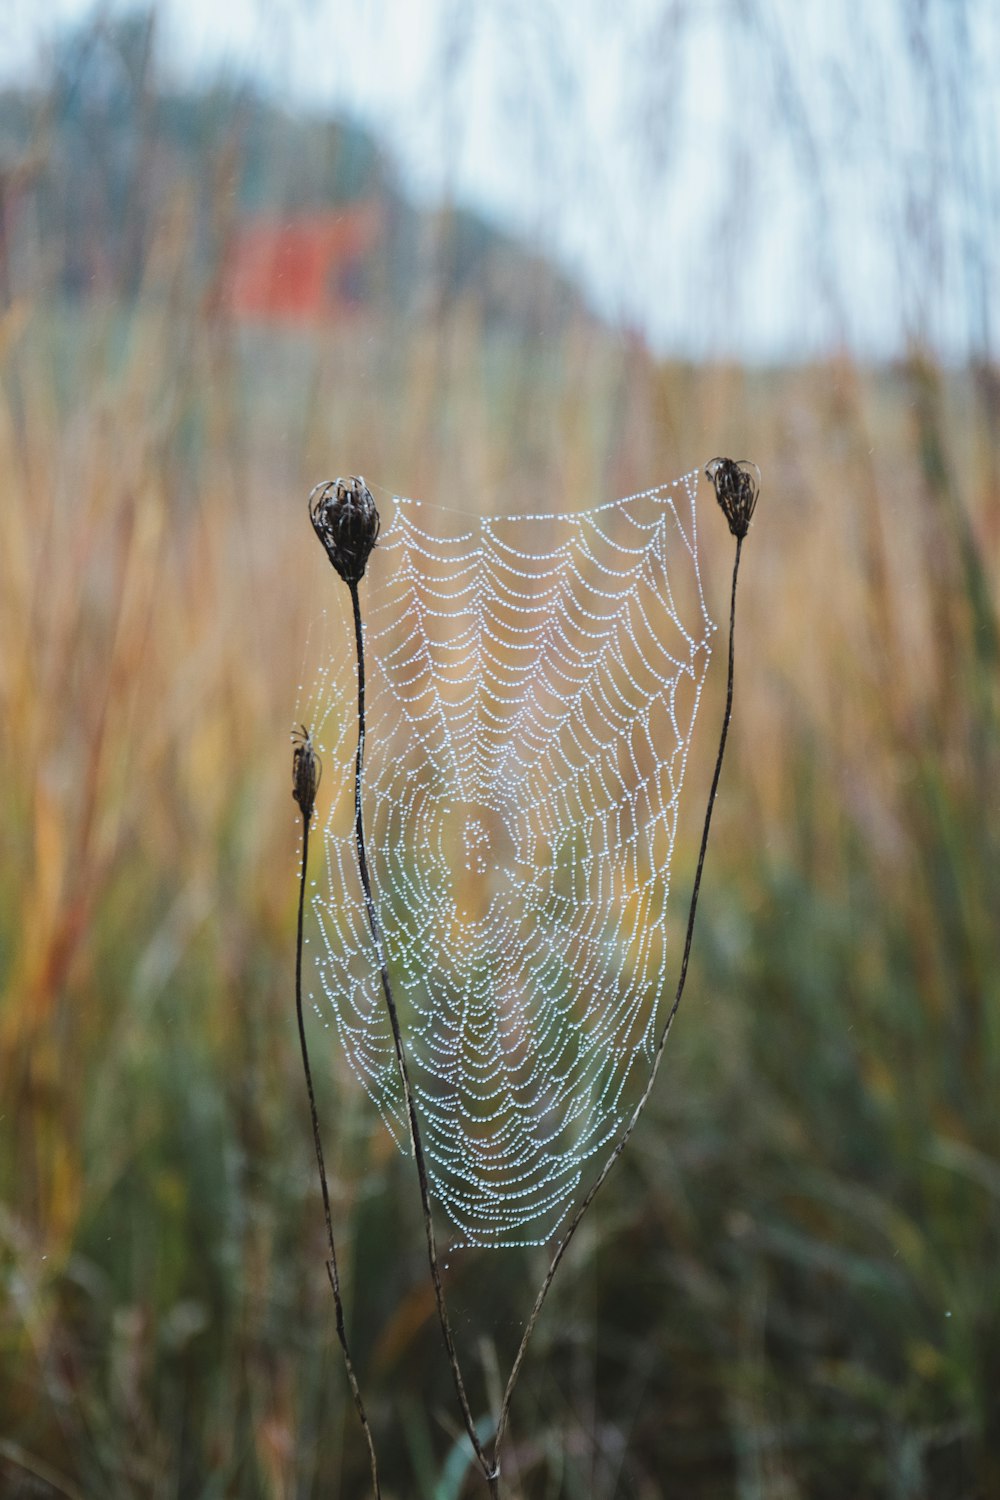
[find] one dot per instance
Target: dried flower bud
(737, 485)
(345, 520)
(306, 771)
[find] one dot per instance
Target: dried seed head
(306, 771)
(345, 520)
(737, 485)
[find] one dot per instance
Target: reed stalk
(305, 774)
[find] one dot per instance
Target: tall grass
(790, 1288)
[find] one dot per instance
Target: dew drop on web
(532, 689)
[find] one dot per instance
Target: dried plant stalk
(346, 521)
(737, 495)
(305, 782)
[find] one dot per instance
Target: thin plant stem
(331, 1264)
(489, 1469)
(623, 1139)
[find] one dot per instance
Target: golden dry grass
(798, 1261)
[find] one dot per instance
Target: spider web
(533, 682)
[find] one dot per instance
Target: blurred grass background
(789, 1287)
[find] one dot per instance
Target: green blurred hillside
(101, 157)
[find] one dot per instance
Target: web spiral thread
(533, 682)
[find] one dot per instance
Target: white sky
(756, 177)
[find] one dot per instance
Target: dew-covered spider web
(532, 687)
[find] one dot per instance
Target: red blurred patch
(307, 268)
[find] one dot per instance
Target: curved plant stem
(488, 1468)
(623, 1139)
(331, 1265)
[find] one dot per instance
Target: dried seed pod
(346, 521)
(737, 485)
(306, 771)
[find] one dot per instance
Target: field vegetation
(789, 1287)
